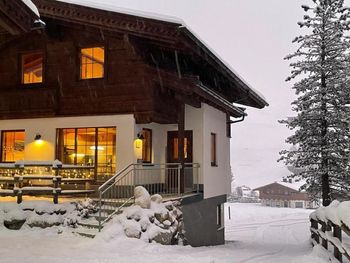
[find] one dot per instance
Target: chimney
(290, 181)
(284, 180)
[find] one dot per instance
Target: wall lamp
(37, 137)
(138, 141)
(140, 136)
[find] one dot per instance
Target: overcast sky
(253, 36)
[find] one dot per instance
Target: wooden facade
(152, 68)
(276, 191)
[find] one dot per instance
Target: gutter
(240, 111)
(232, 122)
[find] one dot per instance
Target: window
(92, 63)
(147, 146)
(89, 147)
(32, 68)
(176, 148)
(213, 157)
(219, 216)
(12, 146)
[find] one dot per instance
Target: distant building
(285, 194)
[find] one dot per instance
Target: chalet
(132, 98)
(285, 194)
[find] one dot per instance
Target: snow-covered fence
(42, 179)
(331, 225)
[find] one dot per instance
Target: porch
(54, 179)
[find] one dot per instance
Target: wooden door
(173, 157)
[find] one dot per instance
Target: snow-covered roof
(294, 185)
(111, 5)
(31, 5)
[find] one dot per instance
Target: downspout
(232, 122)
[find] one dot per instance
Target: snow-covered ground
(254, 234)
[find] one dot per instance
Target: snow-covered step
(89, 223)
(86, 232)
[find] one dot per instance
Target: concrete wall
(216, 179)
(34, 151)
(200, 222)
(202, 122)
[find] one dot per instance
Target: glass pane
(92, 63)
(32, 68)
(83, 150)
(12, 146)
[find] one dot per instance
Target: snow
(32, 7)
(294, 185)
(111, 5)
(254, 234)
(338, 213)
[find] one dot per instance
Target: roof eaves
(259, 98)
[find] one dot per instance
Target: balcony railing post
(100, 213)
(179, 179)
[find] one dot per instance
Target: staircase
(90, 227)
(118, 191)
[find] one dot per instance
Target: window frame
(58, 151)
(2, 141)
(213, 150)
(220, 217)
(20, 67)
(150, 146)
(79, 65)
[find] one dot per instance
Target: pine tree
(321, 136)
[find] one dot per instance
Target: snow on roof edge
(295, 185)
(113, 8)
(227, 65)
(169, 19)
(32, 7)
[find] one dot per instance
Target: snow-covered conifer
(321, 125)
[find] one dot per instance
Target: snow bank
(44, 214)
(149, 220)
(337, 213)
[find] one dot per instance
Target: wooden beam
(181, 143)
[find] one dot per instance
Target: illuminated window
(92, 63)
(213, 152)
(176, 148)
(147, 146)
(89, 147)
(12, 146)
(32, 68)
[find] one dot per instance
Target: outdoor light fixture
(37, 137)
(140, 136)
(138, 141)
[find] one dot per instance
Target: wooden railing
(326, 232)
(41, 179)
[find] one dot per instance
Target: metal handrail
(118, 190)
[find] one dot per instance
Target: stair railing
(163, 179)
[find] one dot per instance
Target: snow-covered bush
(149, 219)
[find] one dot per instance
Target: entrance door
(173, 157)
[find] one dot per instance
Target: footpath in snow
(254, 234)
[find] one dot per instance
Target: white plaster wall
(215, 178)
(125, 125)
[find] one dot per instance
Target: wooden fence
(20, 180)
(328, 233)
